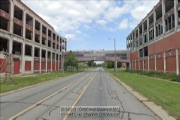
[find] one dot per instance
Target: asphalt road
(92, 95)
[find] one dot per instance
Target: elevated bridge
(103, 55)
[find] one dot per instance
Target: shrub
(167, 76)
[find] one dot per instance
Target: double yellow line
(41, 101)
(84, 89)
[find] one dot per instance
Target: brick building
(34, 44)
(155, 42)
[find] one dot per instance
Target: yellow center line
(84, 89)
(34, 105)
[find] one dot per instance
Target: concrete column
(40, 34)
(154, 16)
(135, 64)
(155, 65)
(148, 29)
(126, 44)
(164, 54)
(33, 30)
(46, 60)
(58, 62)
(175, 14)
(23, 58)
(46, 36)
(143, 33)
(138, 37)
(24, 24)
(132, 64)
(139, 64)
(51, 61)
(32, 64)
(40, 59)
(10, 45)
(163, 13)
(55, 61)
(11, 16)
(148, 63)
(177, 62)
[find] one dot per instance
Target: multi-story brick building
(33, 44)
(155, 42)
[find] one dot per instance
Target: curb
(20, 89)
(158, 110)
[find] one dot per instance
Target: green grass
(23, 81)
(162, 92)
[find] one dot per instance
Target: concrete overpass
(103, 55)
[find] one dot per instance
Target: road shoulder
(150, 104)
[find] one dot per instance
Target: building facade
(33, 44)
(155, 43)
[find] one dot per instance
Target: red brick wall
(43, 65)
(137, 65)
(27, 65)
(60, 66)
(160, 64)
(146, 64)
(141, 64)
(16, 67)
(151, 63)
(56, 66)
(166, 44)
(2, 63)
(49, 65)
(134, 55)
(36, 65)
(171, 64)
(53, 66)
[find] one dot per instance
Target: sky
(93, 24)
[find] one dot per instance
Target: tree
(70, 60)
(90, 63)
(119, 64)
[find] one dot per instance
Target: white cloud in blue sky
(88, 24)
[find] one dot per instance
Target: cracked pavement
(102, 91)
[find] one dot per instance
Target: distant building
(34, 44)
(155, 42)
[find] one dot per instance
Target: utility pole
(115, 61)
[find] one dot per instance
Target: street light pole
(115, 63)
(115, 60)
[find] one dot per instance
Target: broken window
(169, 4)
(29, 20)
(28, 34)
(17, 30)
(43, 54)
(44, 30)
(37, 38)
(54, 36)
(4, 24)
(145, 38)
(43, 41)
(49, 55)
(17, 48)
(49, 43)
(3, 44)
(18, 13)
(28, 50)
(37, 25)
(36, 52)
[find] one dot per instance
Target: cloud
(70, 36)
(124, 24)
(68, 16)
(101, 22)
